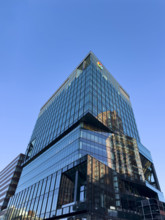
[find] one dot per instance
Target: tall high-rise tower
(85, 159)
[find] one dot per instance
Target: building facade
(9, 178)
(85, 159)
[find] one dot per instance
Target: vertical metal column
(75, 186)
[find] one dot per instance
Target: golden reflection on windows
(123, 155)
(111, 120)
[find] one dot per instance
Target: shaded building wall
(9, 178)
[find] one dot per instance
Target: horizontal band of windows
(9, 167)
(6, 183)
(7, 178)
(7, 174)
(4, 189)
(68, 139)
(49, 159)
(16, 170)
(67, 160)
(2, 196)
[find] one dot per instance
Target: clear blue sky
(42, 41)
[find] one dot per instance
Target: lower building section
(2, 214)
(153, 209)
(86, 189)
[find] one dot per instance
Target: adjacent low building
(9, 178)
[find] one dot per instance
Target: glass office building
(85, 159)
(9, 178)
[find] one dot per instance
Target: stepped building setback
(85, 159)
